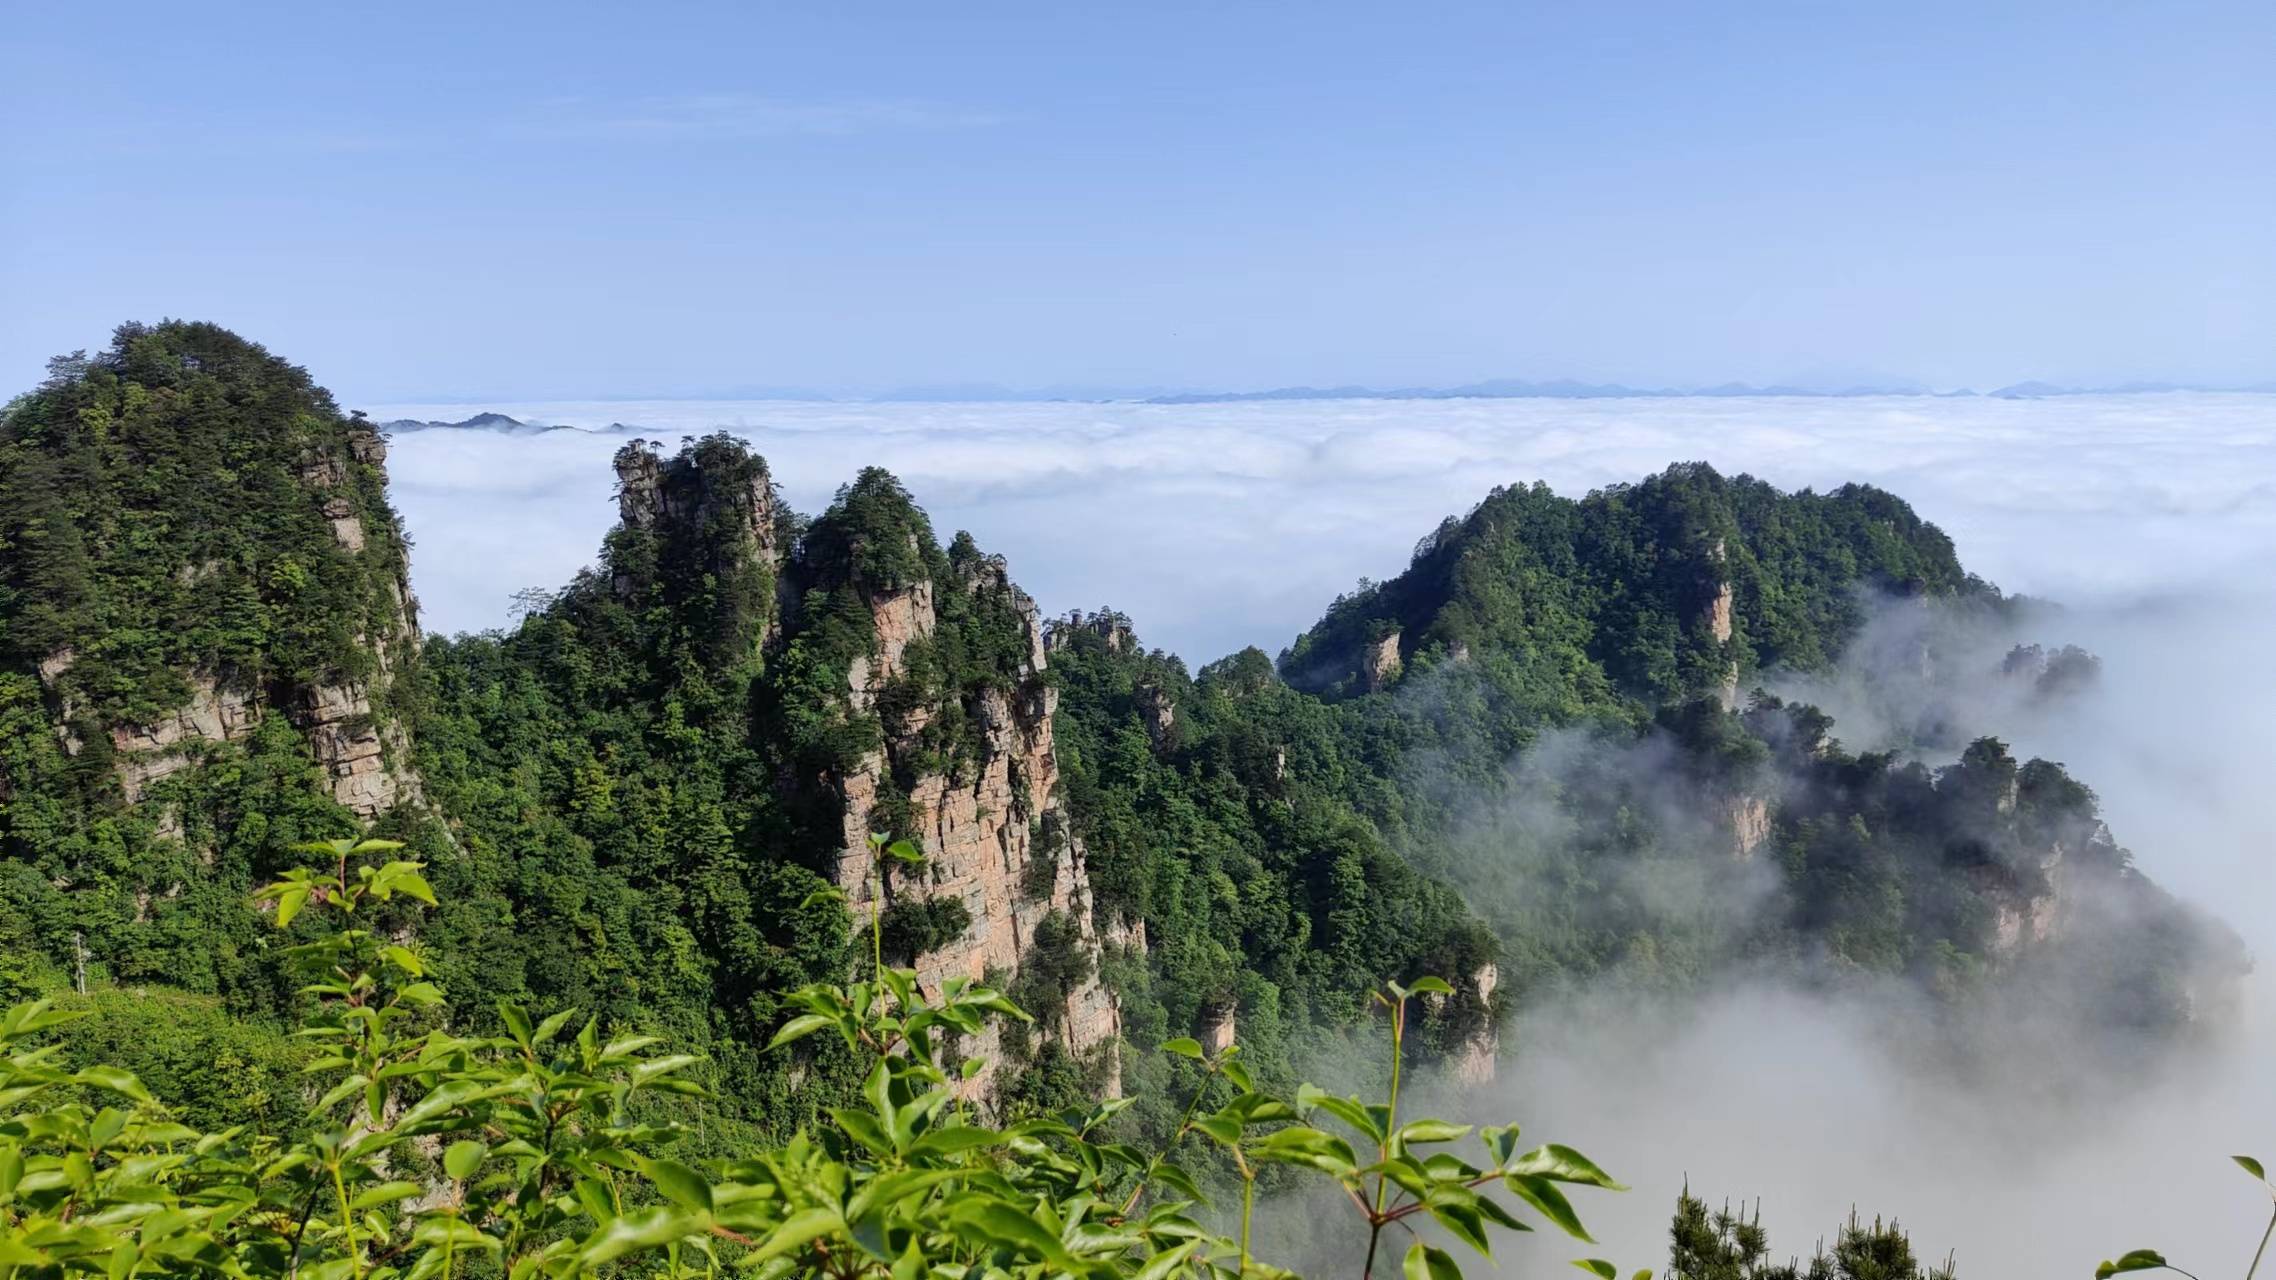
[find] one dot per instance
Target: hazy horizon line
(1484, 389)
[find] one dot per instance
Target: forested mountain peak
(1675, 586)
(191, 535)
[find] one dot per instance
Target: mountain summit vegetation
(665, 797)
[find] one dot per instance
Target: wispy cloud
(734, 114)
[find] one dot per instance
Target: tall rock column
(990, 826)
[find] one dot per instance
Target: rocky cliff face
(1717, 618)
(364, 751)
(941, 733)
(1381, 664)
(993, 835)
(1480, 1055)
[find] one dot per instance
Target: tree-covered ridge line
(1569, 750)
(632, 797)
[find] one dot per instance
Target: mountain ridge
(636, 793)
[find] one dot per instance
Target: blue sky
(530, 201)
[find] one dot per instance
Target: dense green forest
(1537, 758)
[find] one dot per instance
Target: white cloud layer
(1221, 525)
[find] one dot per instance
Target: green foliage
(167, 509)
(1577, 602)
(527, 1154)
(1724, 1245)
(915, 926)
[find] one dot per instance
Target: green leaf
(799, 1028)
(1598, 1267)
(517, 1022)
(289, 902)
(640, 1229)
(416, 885)
(2251, 1166)
(1167, 1263)
(678, 1183)
(646, 1072)
(887, 1189)
(797, 1231)
(1296, 1145)
(948, 1141)
(2138, 1260)
(999, 1223)
(115, 1080)
(1430, 987)
(1563, 1164)
(618, 1050)
(1459, 1213)
(1347, 1110)
(402, 958)
(551, 1027)
(1431, 1131)
(1426, 1263)
(863, 1128)
(384, 1193)
(1543, 1195)
(463, 1158)
(1184, 1047)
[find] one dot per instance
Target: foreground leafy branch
(432, 1154)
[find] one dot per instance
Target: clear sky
(549, 200)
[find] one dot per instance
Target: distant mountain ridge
(1491, 389)
(498, 422)
(1567, 389)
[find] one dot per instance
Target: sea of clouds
(1220, 525)
(2152, 516)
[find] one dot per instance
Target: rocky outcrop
(150, 753)
(1220, 1028)
(1380, 663)
(1111, 627)
(1747, 818)
(1128, 935)
(1479, 1057)
(364, 753)
(900, 618)
(1718, 619)
(1159, 713)
(712, 510)
(2028, 904)
(359, 752)
(990, 828)
(326, 471)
